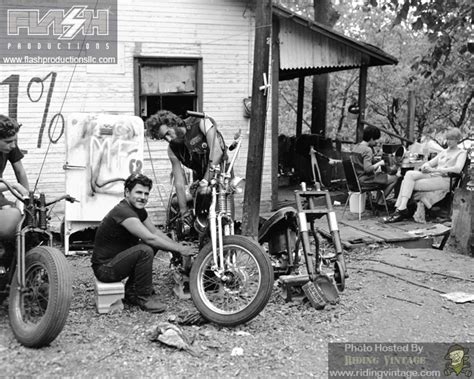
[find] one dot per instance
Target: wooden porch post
(411, 116)
(300, 106)
(253, 175)
(275, 107)
(362, 102)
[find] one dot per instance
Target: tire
(38, 314)
(225, 303)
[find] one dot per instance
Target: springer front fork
(35, 220)
(317, 212)
(220, 225)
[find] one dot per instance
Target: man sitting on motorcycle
(190, 143)
(10, 216)
(126, 242)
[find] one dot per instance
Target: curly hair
(162, 118)
(371, 132)
(135, 179)
(8, 127)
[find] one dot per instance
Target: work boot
(150, 304)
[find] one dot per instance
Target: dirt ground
(382, 303)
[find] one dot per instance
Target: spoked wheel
(38, 312)
(241, 291)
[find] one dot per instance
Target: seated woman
(368, 171)
(432, 175)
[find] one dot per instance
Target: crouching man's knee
(146, 252)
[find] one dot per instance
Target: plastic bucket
(354, 202)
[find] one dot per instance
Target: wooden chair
(355, 187)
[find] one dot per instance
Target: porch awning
(310, 48)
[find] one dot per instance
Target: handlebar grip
(196, 114)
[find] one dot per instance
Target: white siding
(221, 32)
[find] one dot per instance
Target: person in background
(432, 175)
(368, 170)
(190, 143)
(10, 216)
(126, 242)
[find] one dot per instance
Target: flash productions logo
(58, 22)
(458, 361)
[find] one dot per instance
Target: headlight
(237, 184)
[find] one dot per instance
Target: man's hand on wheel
(188, 251)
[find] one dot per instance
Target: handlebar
(196, 114)
(24, 199)
(13, 191)
(202, 115)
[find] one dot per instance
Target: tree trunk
(461, 239)
(323, 13)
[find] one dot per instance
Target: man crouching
(126, 242)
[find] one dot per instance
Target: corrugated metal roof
(308, 48)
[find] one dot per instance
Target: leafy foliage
(430, 40)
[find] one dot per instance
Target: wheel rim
(34, 300)
(240, 285)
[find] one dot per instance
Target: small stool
(108, 296)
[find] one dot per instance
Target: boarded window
(159, 80)
(174, 84)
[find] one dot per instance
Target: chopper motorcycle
(231, 278)
(37, 278)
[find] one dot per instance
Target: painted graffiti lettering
(13, 81)
(38, 81)
(34, 91)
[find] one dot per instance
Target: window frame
(138, 62)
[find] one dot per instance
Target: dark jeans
(136, 263)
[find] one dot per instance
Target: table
(414, 165)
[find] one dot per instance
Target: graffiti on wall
(36, 89)
(102, 150)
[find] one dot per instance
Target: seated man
(9, 215)
(369, 171)
(190, 142)
(126, 242)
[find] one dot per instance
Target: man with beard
(126, 242)
(194, 143)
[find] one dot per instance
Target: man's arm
(20, 174)
(150, 235)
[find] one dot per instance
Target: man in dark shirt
(126, 242)
(10, 216)
(190, 143)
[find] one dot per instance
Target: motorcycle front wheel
(241, 291)
(38, 312)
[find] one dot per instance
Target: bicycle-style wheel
(241, 291)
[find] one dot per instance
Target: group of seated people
(431, 177)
